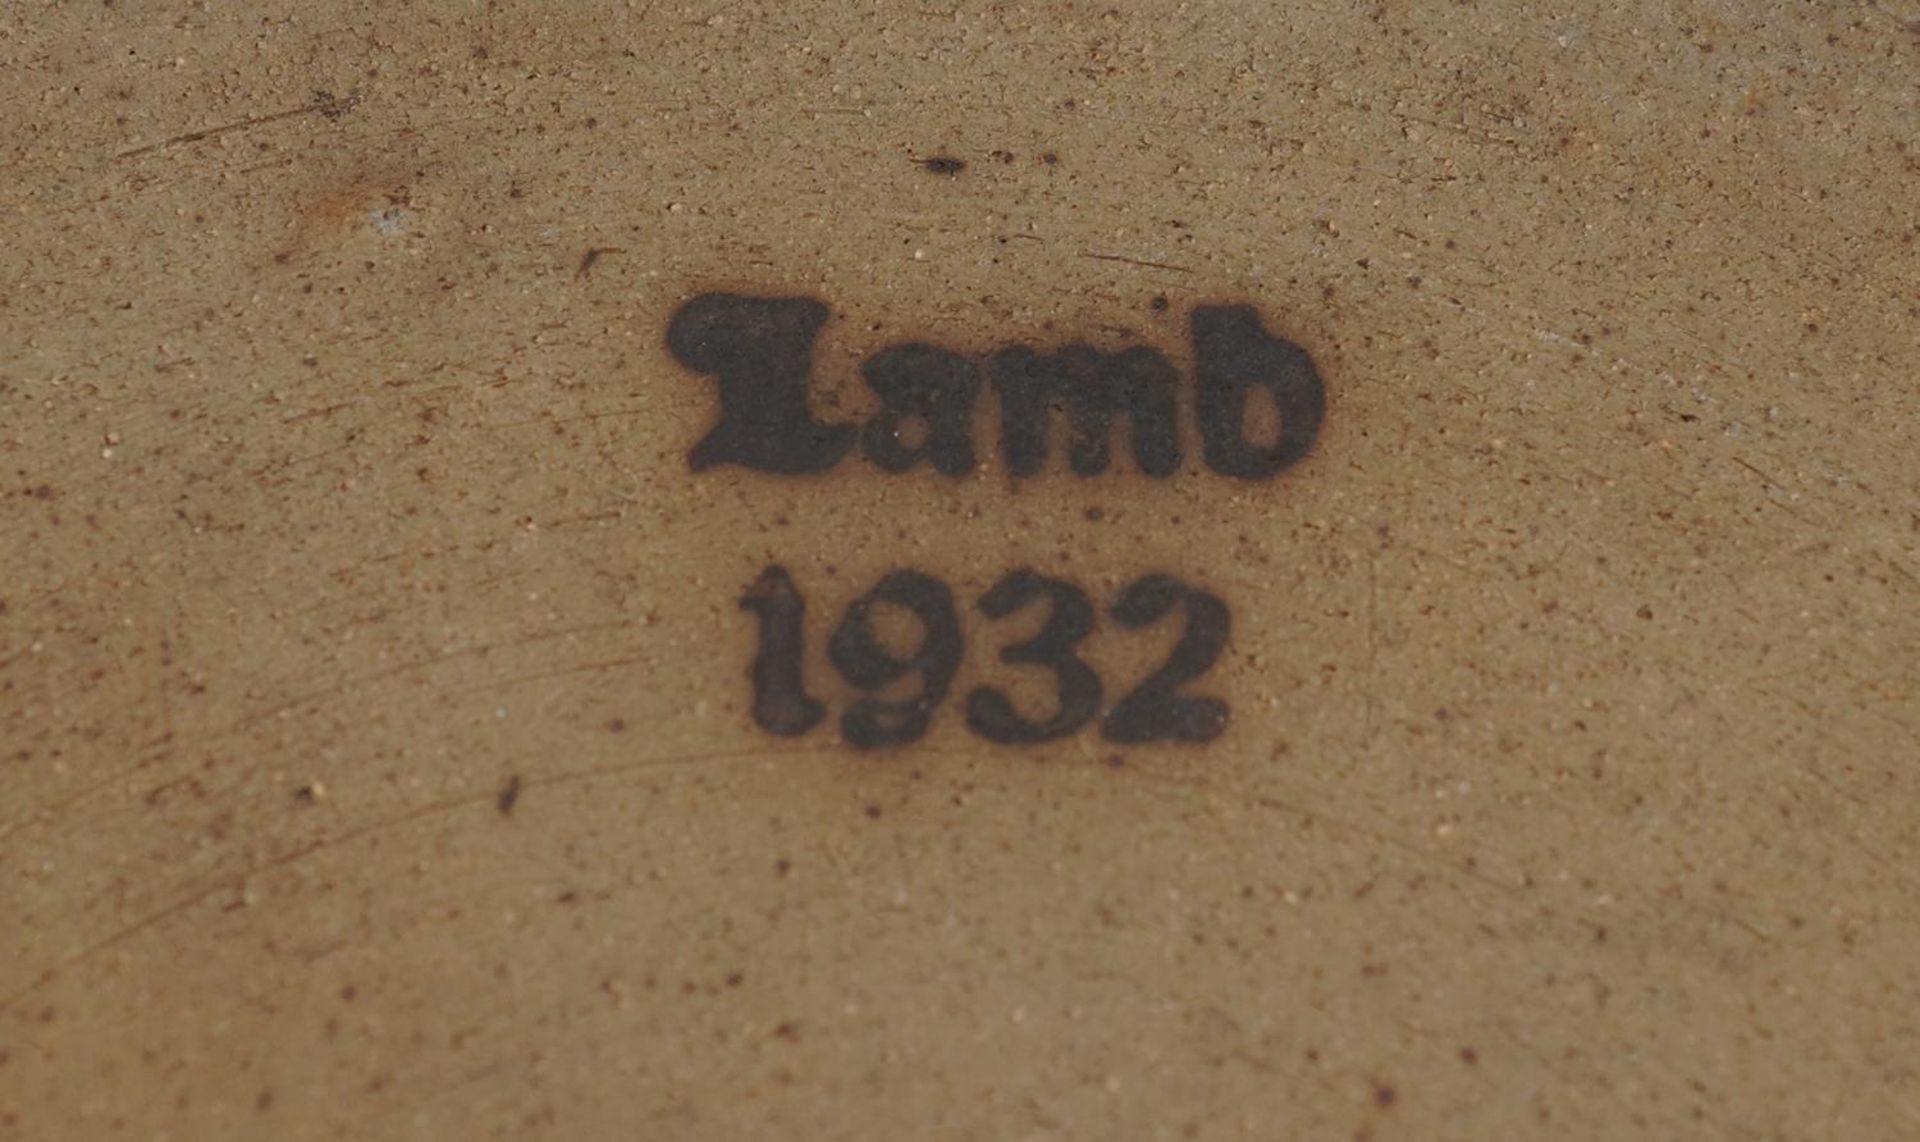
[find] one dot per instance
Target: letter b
(1234, 354)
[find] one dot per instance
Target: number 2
(1153, 711)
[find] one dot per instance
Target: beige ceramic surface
(374, 749)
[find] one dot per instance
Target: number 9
(858, 655)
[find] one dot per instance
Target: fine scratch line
(324, 103)
(1136, 262)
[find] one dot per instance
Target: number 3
(1069, 619)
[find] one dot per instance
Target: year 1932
(898, 692)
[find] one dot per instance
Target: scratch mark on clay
(324, 103)
(548, 420)
(323, 411)
(227, 883)
(52, 809)
(582, 668)
(1136, 262)
(1775, 485)
(592, 256)
(509, 796)
(1770, 481)
(422, 664)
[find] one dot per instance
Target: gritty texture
(375, 758)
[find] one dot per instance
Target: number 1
(780, 702)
